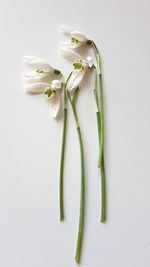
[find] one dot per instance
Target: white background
(30, 232)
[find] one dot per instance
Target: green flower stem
(100, 125)
(81, 215)
(97, 55)
(97, 109)
(62, 162)
(61, 206)
(103, 189)
(103, 185)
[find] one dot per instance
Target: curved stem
(81, 215)
(100, 126)
(97, 55)
(61, 206)
(97, 110)
(102, 122)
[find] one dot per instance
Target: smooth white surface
(30, 232)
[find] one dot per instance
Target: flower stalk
(62, 159)
(81, 213)
(103, 190)
(97, 55)
(102, 170)
(62, 156)
(100, 126)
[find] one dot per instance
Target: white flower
(53, 93)
(38, 80)
(77, 39)
(80, 66)
(39, 75)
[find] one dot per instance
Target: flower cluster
(41, 77)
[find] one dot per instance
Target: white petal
(41, 64)
(65, 30)
(35, 79)
(56, 84)
(55, 104)
(75, 79)
(79, 36)
(70, 45)
(70, 54)
(33, 74)
(29, 74)
(90, 62)
(28, 59)
(36, 87)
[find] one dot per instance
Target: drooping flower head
(53, 93)
(38, 75)
(40, 79)
(76, 38)
(79, 67)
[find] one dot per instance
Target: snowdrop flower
(80, 66)
(39, 76)
(52, 92)
(77, 39)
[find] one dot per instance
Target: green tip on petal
(78, 65)
(39, 71)
(57, 72)
(74, 40)
(49, 92)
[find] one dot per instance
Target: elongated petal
(29, 74)
(36, 79)
(70, 54)
(75, 79)
(36, 87)
(28, 59)
(41, 64)
(55, 104)
(33, 74)
(79, 36)
(65, 30)
(70, 45)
